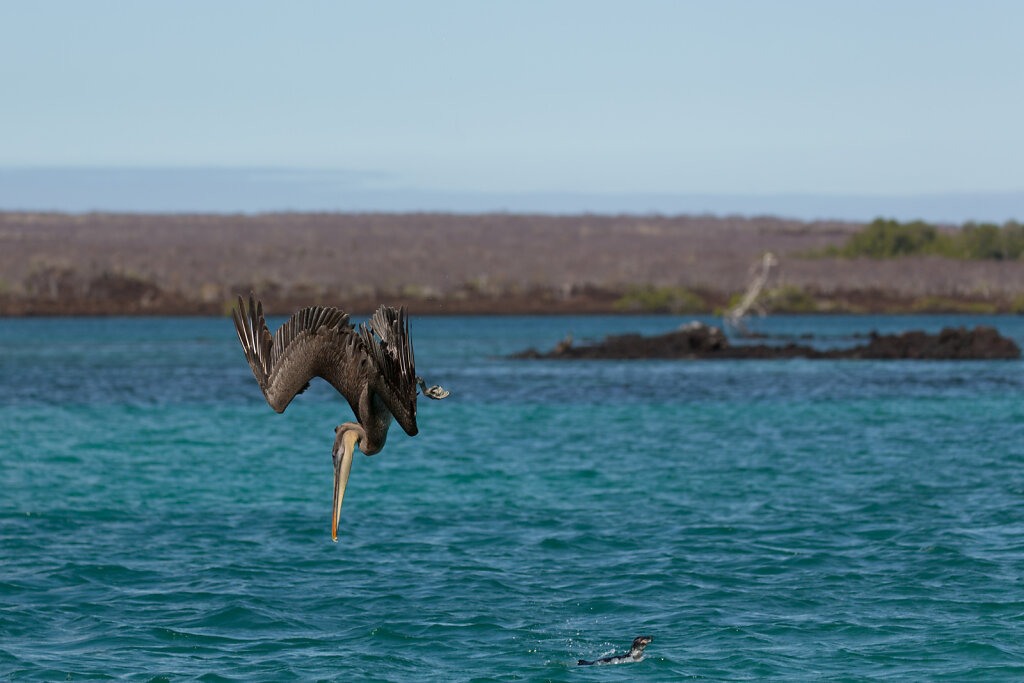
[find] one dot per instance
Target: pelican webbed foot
(435, 392)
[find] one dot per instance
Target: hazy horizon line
(283, 189)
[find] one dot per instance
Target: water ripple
(797, 520)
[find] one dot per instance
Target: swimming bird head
(638, 646)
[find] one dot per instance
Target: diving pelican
(372, 367)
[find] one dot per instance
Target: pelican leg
(344, 446)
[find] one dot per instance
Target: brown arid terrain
(114, 264)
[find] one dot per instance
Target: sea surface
(789, 520)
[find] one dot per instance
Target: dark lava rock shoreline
(697, 341)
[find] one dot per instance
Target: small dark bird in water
(372, 367)
(636, 652)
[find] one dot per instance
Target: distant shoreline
(54, 264)
(28, 308)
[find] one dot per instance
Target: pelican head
(349, 434)
(345, 440)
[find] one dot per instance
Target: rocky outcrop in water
(981, 343)
(697, 341)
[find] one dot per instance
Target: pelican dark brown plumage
(372, 366)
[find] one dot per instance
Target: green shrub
(884, 238)
(888, 239)
(941, 304)
(651, 299)
(788, 298)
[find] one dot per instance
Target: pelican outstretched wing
(304, 347)
(392, 352)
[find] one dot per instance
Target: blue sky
(744, 98)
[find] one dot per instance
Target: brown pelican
(372, 367)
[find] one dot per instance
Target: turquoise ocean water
(795, 520)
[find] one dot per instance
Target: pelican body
(372, 366)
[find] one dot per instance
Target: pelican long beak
(342, 468)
